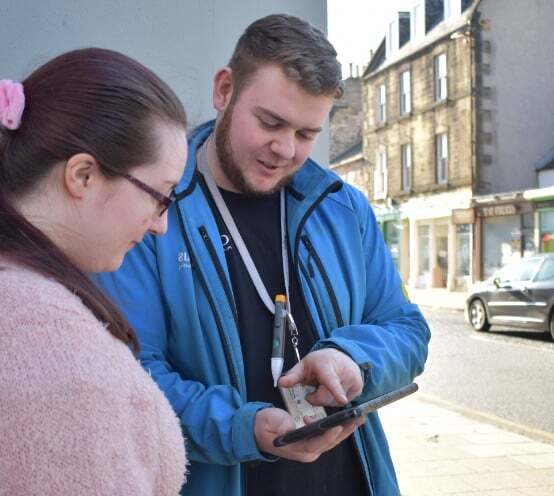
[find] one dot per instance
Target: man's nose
(284, 145)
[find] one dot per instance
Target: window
(350, 177)
(424, 241)
(463, 248)
(441, 89)
(521, 271)
(547, 271)
(381, 104)
(547, 231)
(466, 4)
(403, 28)
(380, 177)
(441, 156)
(406, 157)
(405, 93)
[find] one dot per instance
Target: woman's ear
(81, 174)
(223, 88)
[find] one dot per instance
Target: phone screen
(344, 415)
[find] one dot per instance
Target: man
(198, 297)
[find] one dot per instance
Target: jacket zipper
(307, 275)
(226, 347)
(326, 280)
(331, 188)
(220, 272)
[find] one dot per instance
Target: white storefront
(436, 250)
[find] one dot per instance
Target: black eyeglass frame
(164, 201)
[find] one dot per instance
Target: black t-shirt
(258, 220)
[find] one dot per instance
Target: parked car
(520, 294)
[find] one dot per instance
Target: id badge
(298, 406)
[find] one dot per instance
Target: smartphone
(342, 416)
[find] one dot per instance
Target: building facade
(417, 104)
(448, 161)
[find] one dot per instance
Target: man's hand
(337, 377)
(273, 422)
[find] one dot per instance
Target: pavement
(442, 449)
(437, 298)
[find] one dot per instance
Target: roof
(442, 30)
(546, 162)
(349, 153)
(377, 60)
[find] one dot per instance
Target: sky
(357, 26)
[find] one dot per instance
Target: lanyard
(239, 242)
(243, 250)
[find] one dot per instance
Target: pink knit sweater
(78, 415)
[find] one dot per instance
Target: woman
(91, 145)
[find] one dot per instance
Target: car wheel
(551, 325)
(478, 316)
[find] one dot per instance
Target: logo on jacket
(183, 260)
(226, 242)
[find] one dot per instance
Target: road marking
(512, 341)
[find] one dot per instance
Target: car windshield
(521, 271)
(547, 270)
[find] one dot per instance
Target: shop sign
(497, 210)
(463, 216)
(544, 204)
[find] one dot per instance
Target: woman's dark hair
(92, 101)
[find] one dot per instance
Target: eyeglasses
(164, 201)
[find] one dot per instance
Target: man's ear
(81, 173)
(223, 88)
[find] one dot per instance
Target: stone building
(345, 130)
(345, 118)
(447, 156)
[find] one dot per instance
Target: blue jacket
(177, 294)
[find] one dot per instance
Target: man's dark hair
(300, 49)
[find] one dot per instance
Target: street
(505, 373)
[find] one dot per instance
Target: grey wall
(522, 83)
(183, 41)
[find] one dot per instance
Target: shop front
(505, 230)
(543, 203)
(440, 240)
(464, 220)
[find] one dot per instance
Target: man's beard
(227, 161)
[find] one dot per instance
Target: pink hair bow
(12, 103)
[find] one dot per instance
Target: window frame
(441, 161)
(405, 96)
(382, 103)
(406, 166)
(380, 175)
(441, 77)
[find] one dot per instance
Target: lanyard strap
(237, 238)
